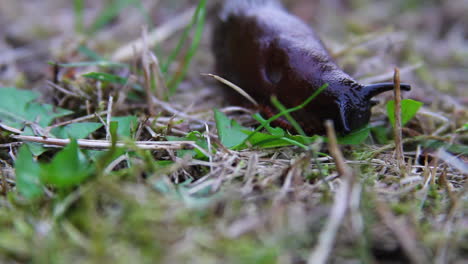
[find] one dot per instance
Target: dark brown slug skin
(267, 51)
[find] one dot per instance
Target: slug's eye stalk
(372, 90)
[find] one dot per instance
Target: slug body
(269, 52)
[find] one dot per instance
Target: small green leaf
(229, 131)
(105, 77)
(409, 108)
(68, 168)
(356, 137)
(27, 174)
(17, 108)
(77, 130)
(127, 125)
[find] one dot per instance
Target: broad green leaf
(17, 108)
(105, 77)
(229, 131)
(409, 108)
(77, 130)
(27, 174)
(127, 125)
(356, 137)
(68, 168)
(36, 148)
(44, 114)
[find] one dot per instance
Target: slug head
(355, 103)
(293, 74)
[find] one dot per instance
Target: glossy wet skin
(266, 51)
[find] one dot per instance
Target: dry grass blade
(397, 128)
(234, 87)
(156, 36)
(145, 61)
(10, 129)
(403, 233)
(324, 246)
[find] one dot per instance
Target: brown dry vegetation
(280, 205)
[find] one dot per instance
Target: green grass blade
(200, 25)
(282, 113)
(109, 13)
(78, 9)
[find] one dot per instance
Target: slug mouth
(372, 90)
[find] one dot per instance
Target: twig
(109, 117)
(397, 127)
(208, 142)
(105, 144)
(162, 91)
(10, 129)
(343, 169)
(77, 120)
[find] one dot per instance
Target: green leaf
(287, 111)
(27, 174)
(105, 77)
(229, 131)
(68, 168)
(409, 108)
(77, 130)
(276, 131)
(356, 137)
(17, 108)
(264, 140)
(36, 148)
(127, 125)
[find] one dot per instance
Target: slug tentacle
(372, 90)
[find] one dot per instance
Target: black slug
(266, 51)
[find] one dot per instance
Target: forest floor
(157, 172)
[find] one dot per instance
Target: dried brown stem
(105, 144)
(397, 128)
